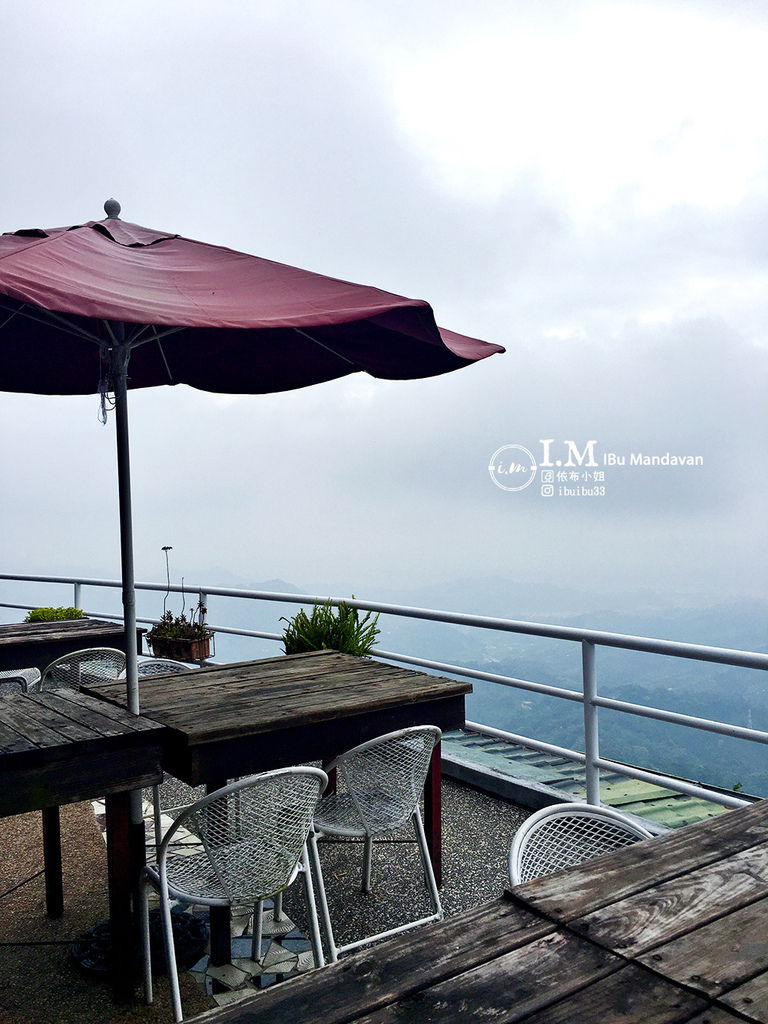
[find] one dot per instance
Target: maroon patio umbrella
(108, 306)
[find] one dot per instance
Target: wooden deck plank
(655, 916)
(719, 956)
(751, 998)
(17, 717)
(105, 718)
(632, 996)
(291, 691)
(506, 989)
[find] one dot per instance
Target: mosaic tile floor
(285, 952)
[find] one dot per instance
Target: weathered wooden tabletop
(669, 930)
(64, 746)
(230, 720)
(37, 644)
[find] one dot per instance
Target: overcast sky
(585, 183)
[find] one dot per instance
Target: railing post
(203, 599)
(78, 596)
(591, 743)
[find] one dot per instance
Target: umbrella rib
(327, 348)
(40, 315)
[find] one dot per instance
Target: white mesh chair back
(162, 666)
(250, 838)
(92, 665)
(379, 782)
(563, 835)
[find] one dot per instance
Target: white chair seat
(380, 783)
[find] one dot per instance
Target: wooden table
(63, 747)
(37, 644)
(226, 721)
(672, 929)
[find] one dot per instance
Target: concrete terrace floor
(40, 982)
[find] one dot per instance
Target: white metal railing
(589, 640)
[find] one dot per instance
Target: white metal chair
(161, 666)
(566, 834)
(19, 680)
(379, 785)
(93, 664)
(248, 842)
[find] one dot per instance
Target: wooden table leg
(54, 886)
(121, 926)
(433, 815)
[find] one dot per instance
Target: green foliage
(54, 614)
(328, 629)
(179, 627)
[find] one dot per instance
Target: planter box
(181, 650)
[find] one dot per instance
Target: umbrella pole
(136, 849)
(120, 384)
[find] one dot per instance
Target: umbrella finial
(112, 209)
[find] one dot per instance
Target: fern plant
(329, 629)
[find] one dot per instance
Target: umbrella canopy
(109, 305)
(201, 315)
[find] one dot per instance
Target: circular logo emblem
(512, 467)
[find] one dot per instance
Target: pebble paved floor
(477, 831)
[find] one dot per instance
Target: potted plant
(179, 637)
(327, 629)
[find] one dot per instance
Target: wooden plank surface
(632, 996)
(720, 955)
(751, 998)
(663, 912)
(29, 633)
(212, 704)
(37, 644)
(480, 954)
(64, 746)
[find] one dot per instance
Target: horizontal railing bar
(676, 718)
(524, 741)
(665, 781)
(697, 652)
(746, 659)
(677, 785)
(490, 677)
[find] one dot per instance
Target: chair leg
(258, 931)
(314, 924)
(277, 913)
(145, 945)
(367, 854)
(318, 872)
(429, 874)
(170, 953)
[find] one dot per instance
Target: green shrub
(330, 629)
(53, 614)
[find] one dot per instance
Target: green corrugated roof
(663, 807)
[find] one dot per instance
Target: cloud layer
(584, 183)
